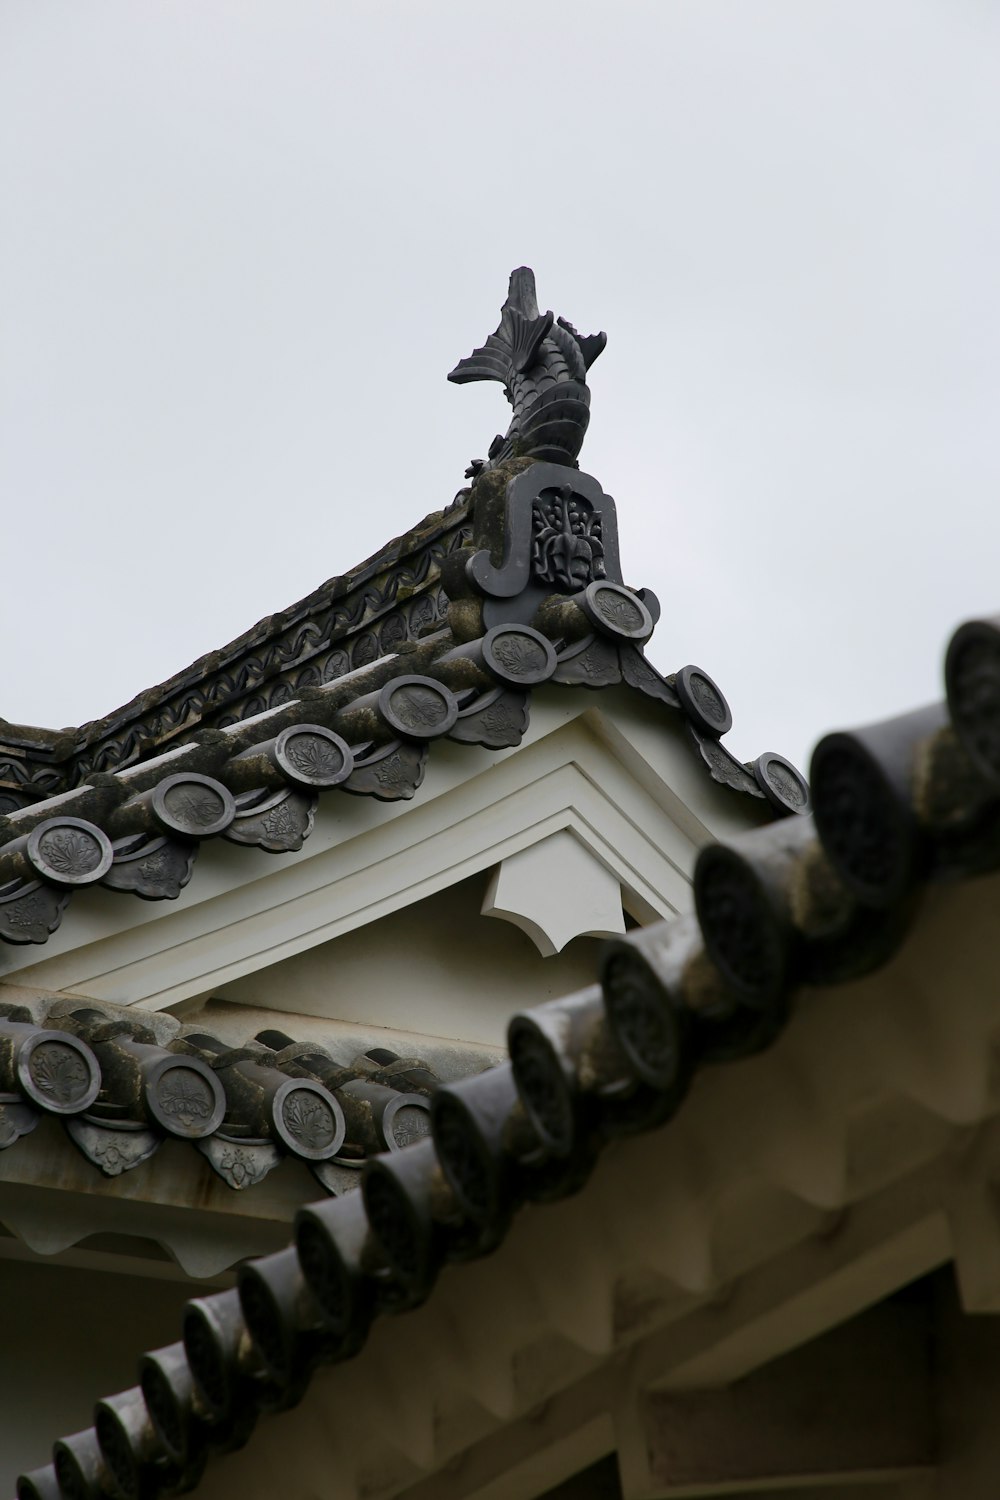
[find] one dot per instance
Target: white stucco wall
(438, 967)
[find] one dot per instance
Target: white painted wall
(438, 967)
(610, 768)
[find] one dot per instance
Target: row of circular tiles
(308, 756)
(279, 644)
(71, 852)
(894, 804)
(149, 839)
(104, 1076)
(65, 852)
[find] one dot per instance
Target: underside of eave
(790, 1193)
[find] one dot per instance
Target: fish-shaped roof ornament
(542, 363)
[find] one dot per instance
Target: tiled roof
(815, 900)
(350, 621)
(347, 623)
(257, 781)
(122, 1084)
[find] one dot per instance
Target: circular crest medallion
(58, 1072)
(542, 1084)
(407, 1119)
(869, 834)
(703, 701)
(645, 1023)
(784, 787)
(185, 1097)
(471, 1169)
(617, 611)
(397, 1225)
(519, 655)
(165, 1410)
(69, 851)
(419, 708)
(744, 935)
(312, 756)
(972, 682)
(193, 805)
(308, 1119)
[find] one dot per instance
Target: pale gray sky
(243, 241)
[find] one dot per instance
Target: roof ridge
(44, 760)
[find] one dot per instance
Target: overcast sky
(243, 241)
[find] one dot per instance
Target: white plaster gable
(612, 770)
(438, 968)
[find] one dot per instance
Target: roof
(442, 635)
(813, 901)
(348, 622)
(121, 1085)
(257, 783)
(515, 589)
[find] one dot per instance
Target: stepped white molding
(629, 791)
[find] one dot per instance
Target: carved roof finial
(542, 363)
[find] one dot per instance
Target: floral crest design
(519, 654)
(314, 757)
(112, 1158)
(419, 705)
(308, 1119)
(155, 866)
(281, 823)
(59, 1073)
(567, 550)
(410, 1123)
(194, 806)
(114, 1151)
(498, 719)
(707, 698)
(27, 911)
(387, 772)
(618, 610)
(69, 852)
(240, 1164)
(31, 916)
(239, 1167)
(185, 1097)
